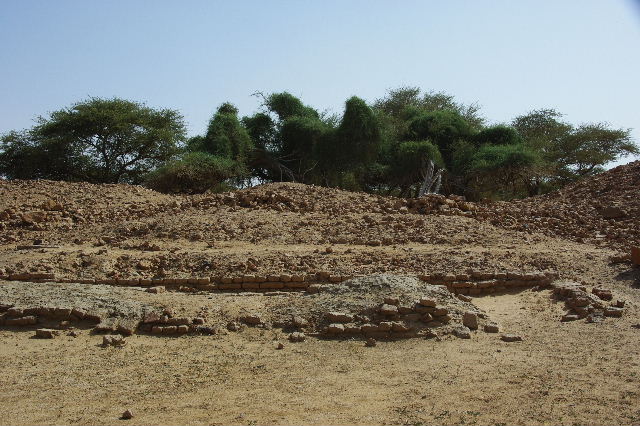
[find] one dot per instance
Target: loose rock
(510, 338)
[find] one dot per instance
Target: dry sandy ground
(562, 373)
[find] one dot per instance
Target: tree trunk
(432, 182)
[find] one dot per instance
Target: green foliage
(261, 129)
(587, 148)
(497, 135)
(444, 128)
(387, 148)
(498, 170)
(409, 162)
(566, 152)
(399, 101)
(96, 140)
(490, 158)
(301, 136)
(285, 106)
(226, 137)
(358, 136)
(193, 173)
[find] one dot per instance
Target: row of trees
(406, 143)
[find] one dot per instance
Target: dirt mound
(391, 305)
(601, 210)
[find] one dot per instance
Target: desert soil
(560, 373)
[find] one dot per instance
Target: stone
(115, 340)
(198, 321)
(392, 301)
(404, 310)
(400, 327)
(151, 318)
(463, 297)
(491, 327)
(385, 326)
(427, 302)
(335, 328)
(620, 303)
(369, 328)
(388, 310)
(299, 322)
(127, 415)
(170, 329)
(14, 312)
(602, 293)
(635, 255)
(352, 329)
(183, 329)
(570, 317)
(297, 337)
(511, 338)
(156, 290)
(127, 326)
(251, 319)
(279, 345)
(462, 332)
(439, 312)
(28, 320)
(179, 321)
(612, 311)
(470, 320)
(370, 343)
(339, 317)
(46, 333)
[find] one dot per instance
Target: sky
(581, 57)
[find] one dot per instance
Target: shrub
(194, 173)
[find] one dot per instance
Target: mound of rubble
(602, 210)
(581, 304)
(105, 309)
(392, 306)
(28, 207)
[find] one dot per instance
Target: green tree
(398, 101)
(285, 106)
(410, 165)
(358, 136)
(226, 137)
(566, 152)
(300, 150)
(194, 172)
(444, 128)
(96, 140)
(500, 168)
(497, 135)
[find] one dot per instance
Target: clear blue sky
(581, 57)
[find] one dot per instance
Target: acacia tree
(566, 152)
(499, 169)
(96, 140)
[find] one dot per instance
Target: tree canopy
(96, 140)
(406, 143)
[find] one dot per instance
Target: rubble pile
(581, 304)
(602, 210)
